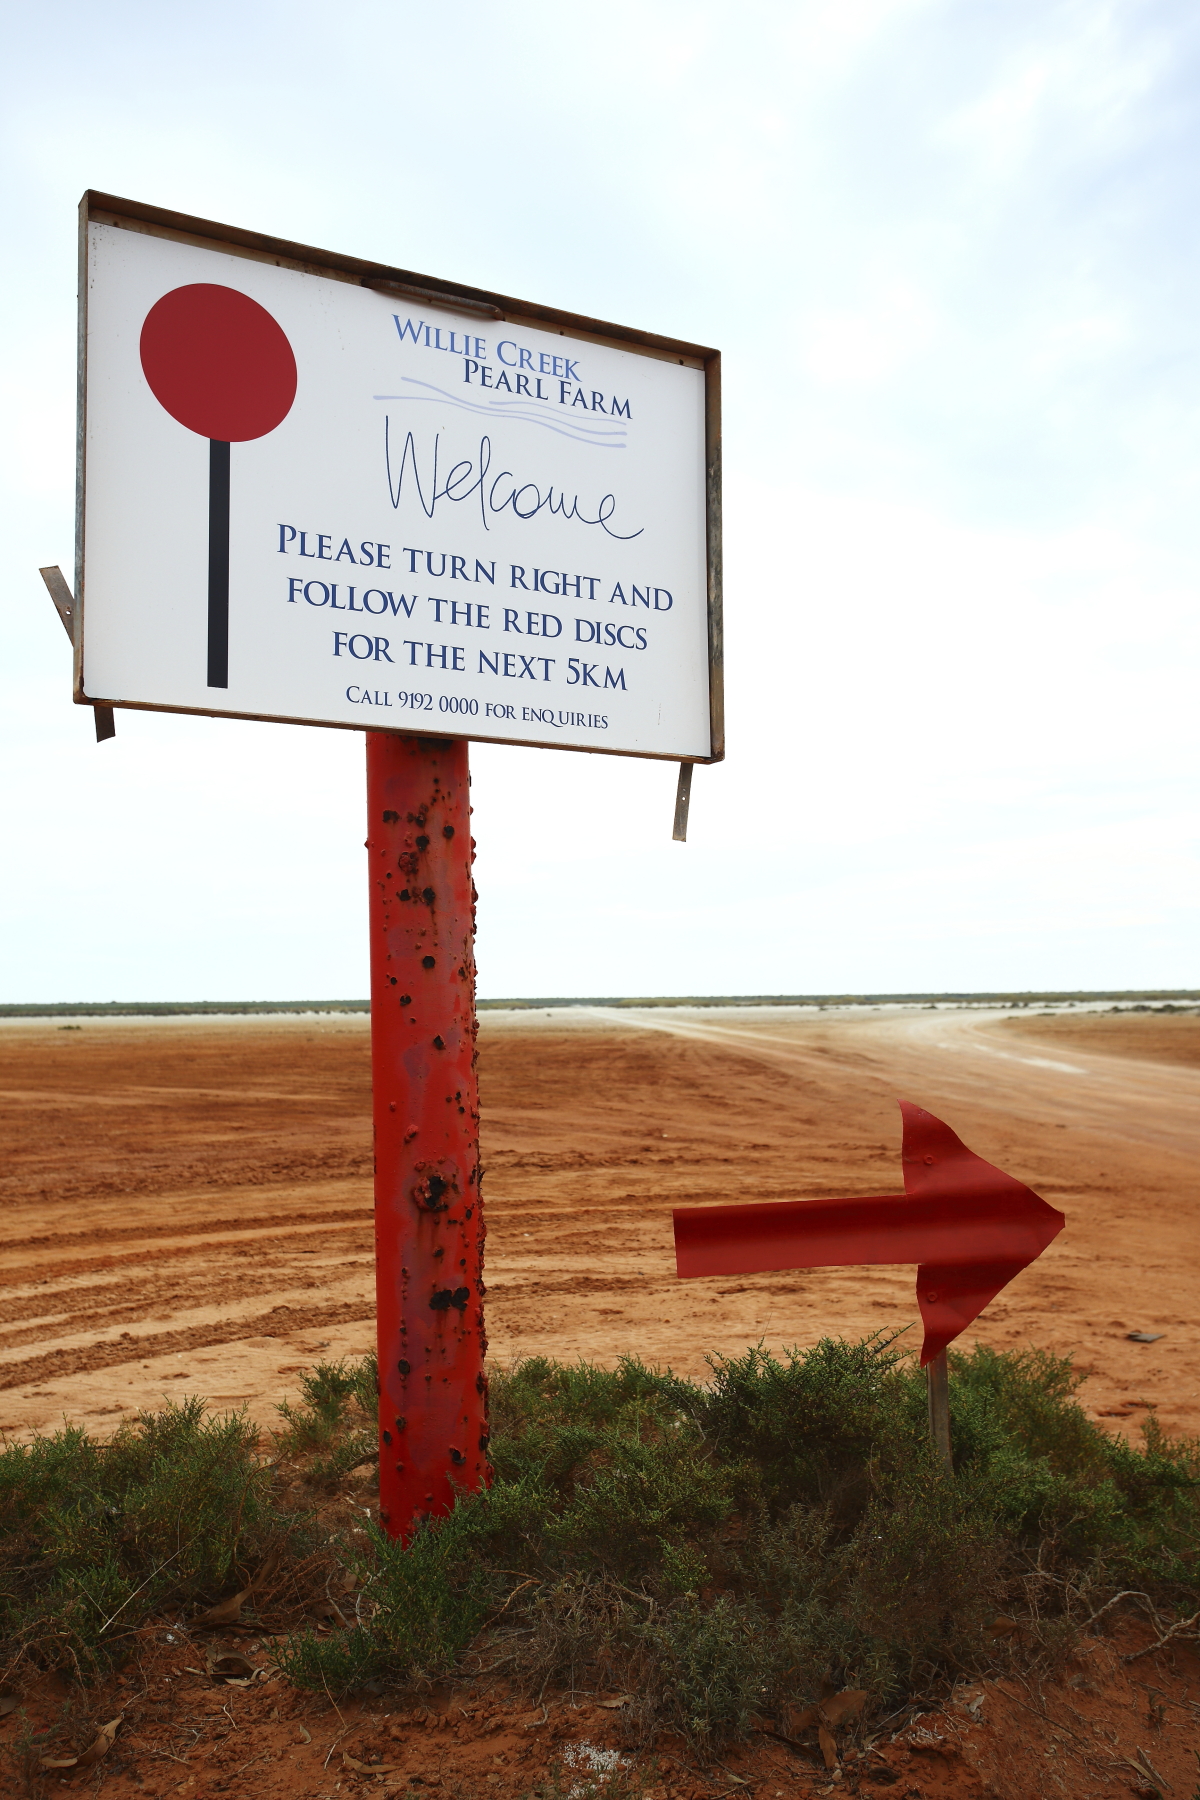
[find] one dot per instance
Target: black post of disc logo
(218, 564)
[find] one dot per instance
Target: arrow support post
(937, 1375)
(429, 1232)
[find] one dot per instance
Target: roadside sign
(324, 491)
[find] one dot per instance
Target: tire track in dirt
(280, 1320)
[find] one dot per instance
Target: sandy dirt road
(186, 1203)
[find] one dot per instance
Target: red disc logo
(218, 362)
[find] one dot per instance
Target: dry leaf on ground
(225, 1612)
(269, 1570)
(232, 1669)
(102, 1743)
(229, 1612)
(362, 1768)
(839, 1709)
(829, 1714)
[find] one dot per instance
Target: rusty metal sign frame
(157, 221)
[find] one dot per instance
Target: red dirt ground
(186, 1203)
(1101, 1730)
(187, 1209)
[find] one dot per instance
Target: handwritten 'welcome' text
(503, 492)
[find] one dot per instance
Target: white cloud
(863, 347)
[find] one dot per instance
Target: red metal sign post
(968, 1226)
(428, 1211)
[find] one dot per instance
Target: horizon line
(1013, 997)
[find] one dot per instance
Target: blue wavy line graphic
(573, 430)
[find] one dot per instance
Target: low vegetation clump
(722, 1552)
(95, 1538)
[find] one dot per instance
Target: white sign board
(308, 499)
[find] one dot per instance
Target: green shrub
(727, 1548)
(813, 1427)
(95, 1538)
(714, 1663)
(425, 1603)
(1092, 1506)
(337, 1418)
(720, 1551)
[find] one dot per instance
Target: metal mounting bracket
(64, 606)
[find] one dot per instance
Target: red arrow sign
(969, 1227)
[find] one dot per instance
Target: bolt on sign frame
(322, 490)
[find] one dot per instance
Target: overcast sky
(948, 249)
